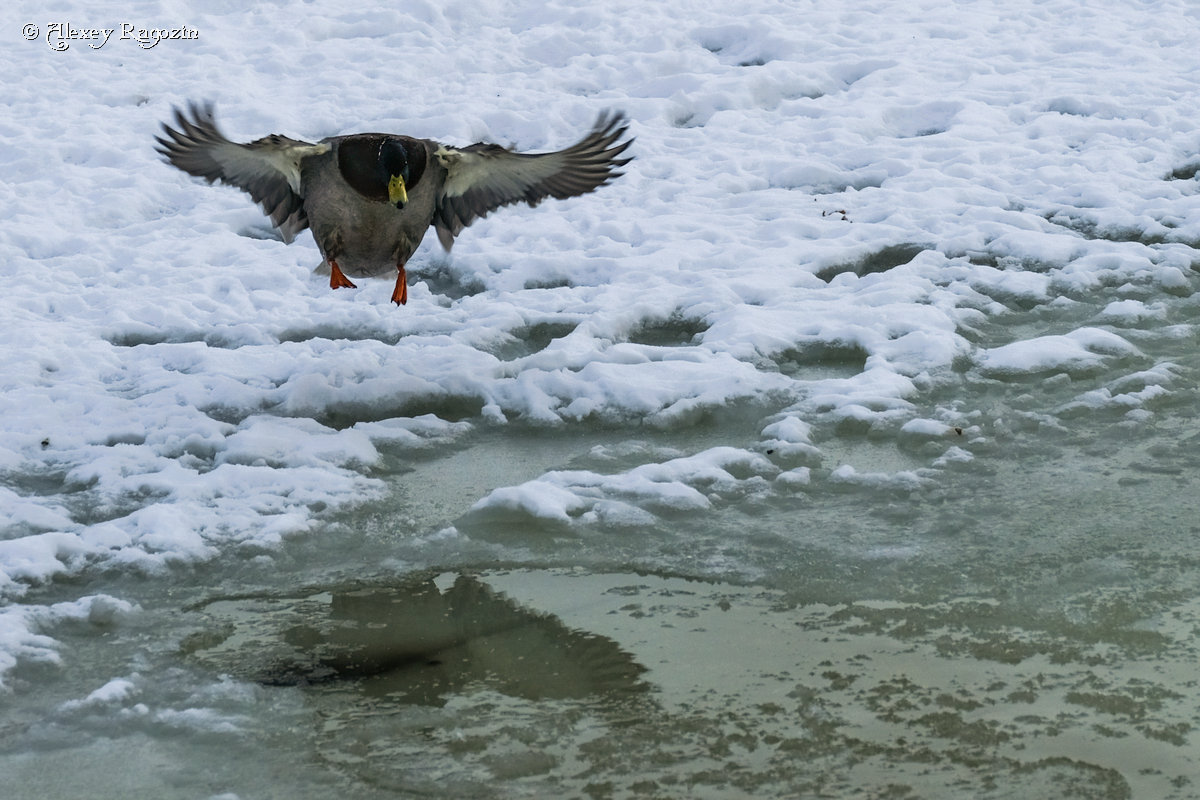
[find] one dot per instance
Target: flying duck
(370, 197)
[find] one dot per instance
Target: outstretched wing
(268, 169)
(483, 177)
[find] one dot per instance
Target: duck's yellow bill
(397, 191)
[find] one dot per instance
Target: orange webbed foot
(337, 280)
(400, 293)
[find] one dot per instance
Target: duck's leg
(400, 293)
(336, 279)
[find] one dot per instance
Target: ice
(1079, 349)
(116, 691)
(831, 213)
(20, 636)
(1131, 312)
(903, 481)
(680, 484)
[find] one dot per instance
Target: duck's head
(381, 167)
(393, 159)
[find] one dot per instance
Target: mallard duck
(370, 197)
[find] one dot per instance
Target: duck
(369, 198)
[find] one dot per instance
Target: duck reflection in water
(416, 643)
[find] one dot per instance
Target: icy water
(844, 447)
(1004, 608)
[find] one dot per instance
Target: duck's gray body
(342, 187)
(367, 237)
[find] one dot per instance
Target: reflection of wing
(416, 643)
(534, 655)
(484, 177)
(268, 169)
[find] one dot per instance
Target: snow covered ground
(868, 254)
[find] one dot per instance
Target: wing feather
(483, 177)
(268, 169)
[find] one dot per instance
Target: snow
(677, 484)
(115, 692)
(871, 181)
(1078, 349)
(18, 639)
